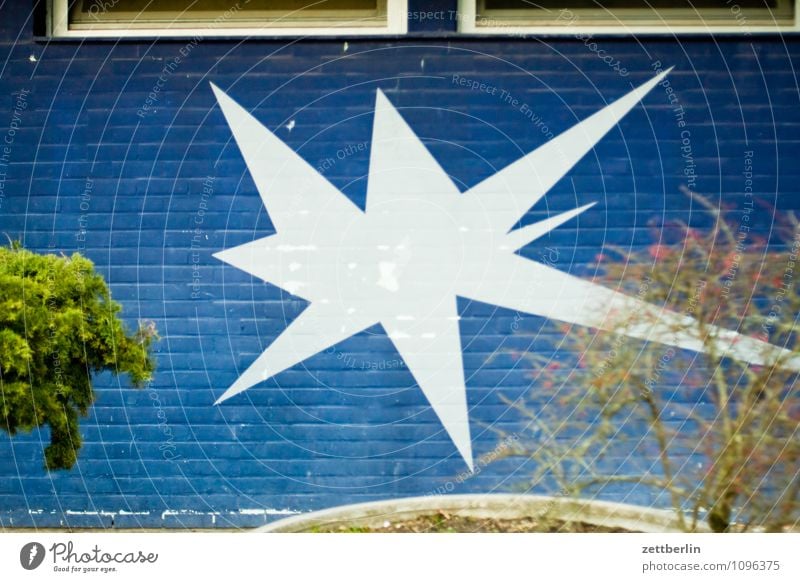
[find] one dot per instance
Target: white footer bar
(401, 557)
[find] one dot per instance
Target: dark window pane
(577, 4)
(224, 13)
(219, 6)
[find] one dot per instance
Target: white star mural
(420, 244)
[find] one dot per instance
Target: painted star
(419, 245)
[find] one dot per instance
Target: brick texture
(122, 154)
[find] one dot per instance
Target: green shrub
(59, 327)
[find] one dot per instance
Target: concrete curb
(499, 506)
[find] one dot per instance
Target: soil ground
(442, 522)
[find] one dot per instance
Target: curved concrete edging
(498, 506)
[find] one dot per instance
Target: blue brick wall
(145, 180)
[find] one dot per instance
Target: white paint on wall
(419, 245)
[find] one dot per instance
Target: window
(559, 16)
(115, 18)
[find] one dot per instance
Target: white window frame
(468, 11)
(396, 23)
